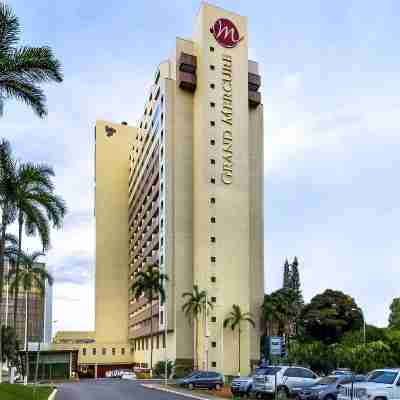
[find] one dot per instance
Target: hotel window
(84, 352)
(213, 220)
(113, 351)
(104, 351)
(94, 351)
(213, 299)
(212, 104)
(213, 259)
(122, 352)
(212, 142)
(212, 239)
(213, 279)
(212, 85)
(212, 67)
(212, 161)
(158, 342)
(133, 349)
(212, 180)
(212, 200)
(213, 364)
(212, 123)
(147, 343)
(213, 319)
(163, 340)
(213, 344)
(211, 48)
(162, 317)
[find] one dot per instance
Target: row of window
(104, 351)
(144, 343)
(212, 201)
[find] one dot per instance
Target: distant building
(39, 306)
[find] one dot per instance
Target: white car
(131, 376)
(381, 384)
(284, 378)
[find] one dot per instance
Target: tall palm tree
(234, 320)
(195, 306)
(150, 283)
(37, 206)
(23, 69)
(7, 192)
(31, 276)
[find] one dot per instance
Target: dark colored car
(202, 379)
(327, 388)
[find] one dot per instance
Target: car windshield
(387, 377)
(327, 380)
(192, 374)
(267, 371)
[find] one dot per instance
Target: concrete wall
(111, 202)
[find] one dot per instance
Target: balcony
(145, 314)
(145, 330)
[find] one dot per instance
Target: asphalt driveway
(111, 389)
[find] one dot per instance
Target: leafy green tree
(394, 318)
(9, 345)
(280, 311)
(196, 306)
(286, 275)
(150, 283)
(294, 282)
(24, 69)
(37, 206)
(234, 320)
(31, 276)
(159, 368)
(329, 316)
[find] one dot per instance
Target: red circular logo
(225, 33)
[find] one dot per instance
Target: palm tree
(234, 320)
(195, 306)
(150, 283)
(7, 192)
(23, 69)
(37, 206)
(31, 276)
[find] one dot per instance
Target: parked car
(244, 385)
(202, 379)
(326, 388)
(128, 375)
(381, 384)
(283, 378)
(342, 371)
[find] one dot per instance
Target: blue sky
(330, 88)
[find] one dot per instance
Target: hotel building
(183, 190)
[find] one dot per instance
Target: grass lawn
(20, 392)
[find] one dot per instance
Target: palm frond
(27, 92)
(9, 28)
(32, 64)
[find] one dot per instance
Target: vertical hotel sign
(227, 35)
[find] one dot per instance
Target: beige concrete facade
(184, 191)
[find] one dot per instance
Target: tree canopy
(329, 316)
(394, 317)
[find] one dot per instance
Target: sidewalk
(193, 394)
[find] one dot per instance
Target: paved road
(111, 389)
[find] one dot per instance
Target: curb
(53, 395)
(174, 392)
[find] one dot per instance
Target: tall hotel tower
(184, 191)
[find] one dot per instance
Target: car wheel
(190, 386)
(283, 391)
(248, 392)
(329, 397)
(218, 386)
